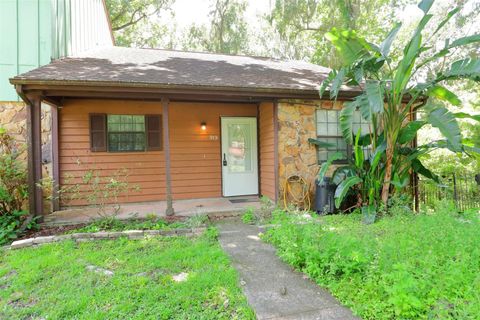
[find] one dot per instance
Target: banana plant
(391, 95)
(362, 173)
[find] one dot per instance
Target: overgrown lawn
(68, 281)
(401, 267)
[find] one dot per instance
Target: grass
(402, 267)
(52, 281)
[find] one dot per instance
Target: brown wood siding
(195, 154)
(145, 169)
(267, 150)
(196, 164)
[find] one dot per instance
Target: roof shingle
(190, 69)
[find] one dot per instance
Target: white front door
(239, 156)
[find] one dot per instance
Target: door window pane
(239, 154)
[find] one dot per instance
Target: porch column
(275, 151)
(166, 149)
(34, 143)
(55, 161)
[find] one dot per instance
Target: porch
(213, 207)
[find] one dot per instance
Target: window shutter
(98, 132)
(154, 132)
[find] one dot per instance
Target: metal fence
(462, 189)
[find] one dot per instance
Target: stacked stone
(297, 123)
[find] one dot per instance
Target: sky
(188, 12)
(196, 11)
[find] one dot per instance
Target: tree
(301, 24)
(136, 22)
(392, 92)
(227, 32)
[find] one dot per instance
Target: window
(124, 133)
(328, 130)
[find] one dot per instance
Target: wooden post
(166, 145)
(275, 151)
(34, 142)
(55, 161)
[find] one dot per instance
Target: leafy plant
(99, 191)
(14, 218)
(248, 217)
(392, 93)
(197, 220)
(360, 177)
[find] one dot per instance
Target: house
(185, 125)
(35, 32)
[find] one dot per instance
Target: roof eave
(110, 86)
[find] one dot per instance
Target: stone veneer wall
(296, 124)
(13, 117)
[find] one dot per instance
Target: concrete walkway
(272, 288)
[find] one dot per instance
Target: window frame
(108, 132)
(146, 131)
(349, 150)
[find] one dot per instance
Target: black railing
(462, 189)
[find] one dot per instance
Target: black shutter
(98, 132)
(154, 132)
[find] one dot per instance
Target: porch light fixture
(203, 126)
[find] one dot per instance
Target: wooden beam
(58, 94)
(171, 90)
(34, 142)
(275, 150)
(55, 159)
(166, 149)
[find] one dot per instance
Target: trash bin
(325, 196)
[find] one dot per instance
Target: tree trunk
(388, 174)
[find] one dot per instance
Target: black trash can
(325, 196)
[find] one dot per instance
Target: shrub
(14, 219)
(101, 192)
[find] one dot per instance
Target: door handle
(224, 160)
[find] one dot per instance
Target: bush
(14, 219)
(402, 267)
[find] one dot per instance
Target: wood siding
(195, 154)
(267, 151)
(196, 163)
(145, 169)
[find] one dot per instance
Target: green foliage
(402, 267)
(391, 92)
(99, 191)
(111, 223)
(248, 216)
(14, 219)
(360, 176)
(131, 22)
(227, 32)
(301, 25)
(261, 214)
(196, 221)
(33, 281)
